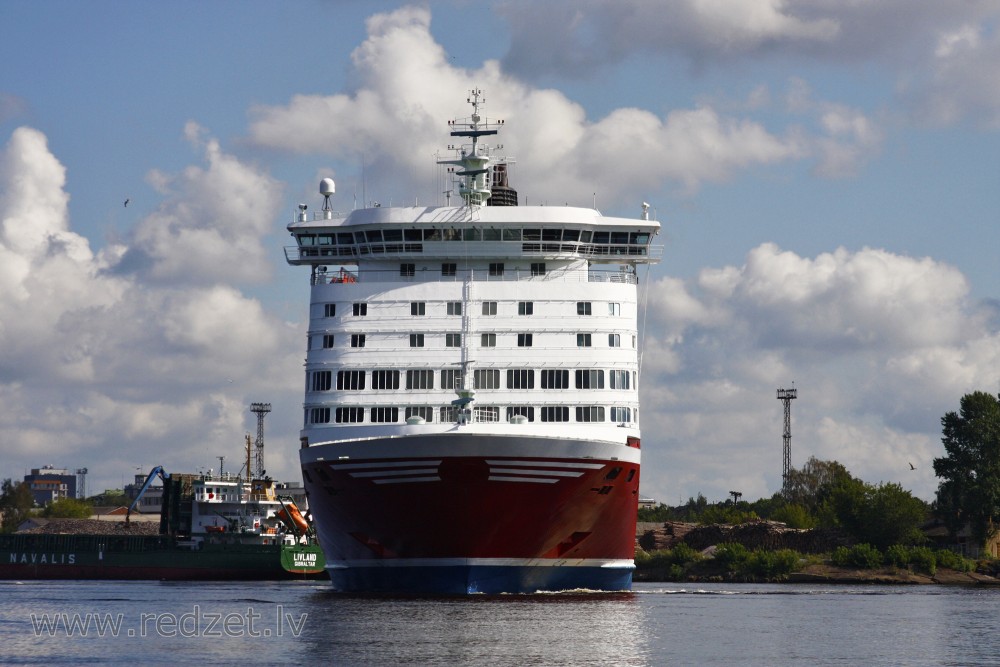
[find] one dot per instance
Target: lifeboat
(292, 517)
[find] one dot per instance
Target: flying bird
(911, 467)
(127, 200)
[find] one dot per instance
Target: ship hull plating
(455, 513)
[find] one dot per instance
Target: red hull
(474, 507)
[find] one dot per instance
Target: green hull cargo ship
(211, 528)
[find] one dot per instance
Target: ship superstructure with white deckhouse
(471, 414)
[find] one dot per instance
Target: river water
(129, 623)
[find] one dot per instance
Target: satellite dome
(326, 187)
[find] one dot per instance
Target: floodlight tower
(786, 396)
(260, 409)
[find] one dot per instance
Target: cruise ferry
(471, 413)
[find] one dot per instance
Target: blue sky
(825, 174)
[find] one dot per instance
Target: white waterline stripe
(545, 464)
(390, 473)
(386, 464)
(403, 480)
(537, 480)
(525, 471)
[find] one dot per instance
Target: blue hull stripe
(486, 579)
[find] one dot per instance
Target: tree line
(824, 494)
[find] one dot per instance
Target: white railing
(345, 276)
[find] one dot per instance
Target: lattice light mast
(786, 396)
(260, 409)
(81, 483)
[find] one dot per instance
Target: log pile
(755, 535)
(94, 527)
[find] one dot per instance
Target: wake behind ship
(471, 414)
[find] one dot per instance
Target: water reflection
(550, 629)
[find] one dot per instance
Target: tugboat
(471, 413)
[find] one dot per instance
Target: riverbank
(823, 573)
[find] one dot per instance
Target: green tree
(880, 515)
(68, 508)
(16, 502)
(812, 485)
(969, 492)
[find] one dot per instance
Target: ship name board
(301, 559)
(25, 558)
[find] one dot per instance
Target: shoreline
(829, 574)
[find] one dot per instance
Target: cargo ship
(212, 527)
(471, 410)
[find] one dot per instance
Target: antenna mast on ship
(474, 161)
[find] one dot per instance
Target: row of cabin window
(485, 378)
(487, 413)
(408, 269)
(485, 340)
(419, 308)
(474, 234)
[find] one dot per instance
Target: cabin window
(583, 340)
(590, 413)
(419, 379)
(449, 269)
(489, 307)
(416, 340)
(488, 378)
(384, 415)
(327, 341)
(350, 380)
(496, 268)
(555, 379)
(525, 307)
(454, 307)
(538, 268)
(329, 309)
(621, 415)
(319, 416)
(453, 340)
(322, 380)
(520, 378)
(488, 340)
(360, 309)
(426, 412)
(407, 270)
(384, 379)
(583, 308)
(618, 379)
(418, 308)
(357, 340)
(524, 339)
(589, 379)
(614, 309)
(350, 415)
(451, 379)
(614, 340)
(555, 413)
(526, 411)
